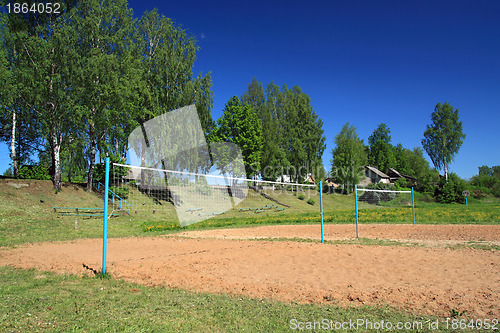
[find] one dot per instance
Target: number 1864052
(479, 324)
(35, 8)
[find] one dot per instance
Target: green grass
(42, 301)
(26, 214)
(443, 214)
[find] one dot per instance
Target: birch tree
(444, 136)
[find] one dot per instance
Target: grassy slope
(27, 215)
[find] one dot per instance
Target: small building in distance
(310, 179)
(394, 175)
(375, 176)
(331, 184)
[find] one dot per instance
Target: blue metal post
(356, 200)
(105, 224)
(466, 204)
(321, 206)
(413, 204)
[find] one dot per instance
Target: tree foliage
(381, 153)
(240, 125)
(40, 59)
(444, 137)
(450, 190)
(294, 139)
(349, 157)
(486, 182)
(84, 79)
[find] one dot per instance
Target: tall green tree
(167, 56)
(413, 163)
(274, 157)
(348, 157)
(381, 152)
(101, 73)
(493, 171)
(8, 122)
(402, 158)
(293, 135)
(305, 141)
(444, 136)
(254, 96)
(240, 125)
(41, 57)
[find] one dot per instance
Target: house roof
(400, 175)
(331, 182)
(377, 171)
(310, 179)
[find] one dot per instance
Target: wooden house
(394, 175)
(375, 176)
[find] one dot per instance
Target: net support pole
(413, 204)
(321, 207)
(105, 224)
(356, 201)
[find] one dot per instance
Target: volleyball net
(197, 197)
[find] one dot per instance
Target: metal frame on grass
(371, 190)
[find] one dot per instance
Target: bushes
(496, 190)
(401, 184)
(34, 172)
(380, 186)
(310, 201)
(486, 183)
(451, 190)
(114, 171)
(122, 192)
(479, 192)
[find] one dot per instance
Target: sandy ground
(421, 234)
(430, 280)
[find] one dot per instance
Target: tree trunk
(445, 170)
(56, 163)
(93, 148)
(70, 140)
(13, 145)
(90, 178)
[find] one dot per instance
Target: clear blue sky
(363, 62)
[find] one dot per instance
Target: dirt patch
(348, 231)
(427, 235)
(426, 280)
